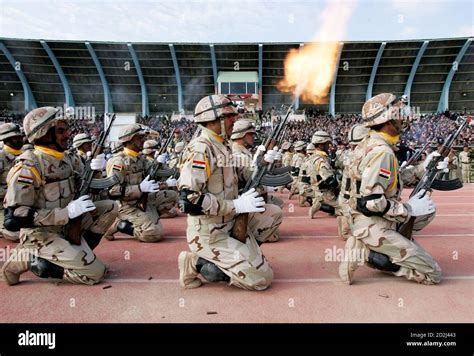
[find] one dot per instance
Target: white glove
(80, 206)
(249, 202)
(171, 182)
(149, 186)
(421, 206)
(403, 165)
(271, 156)
(442, 165)
(161, 158)
(98, 163)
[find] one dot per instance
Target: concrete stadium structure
(152, 78)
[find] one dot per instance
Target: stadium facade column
(141, 79)
(30, 102)
(178, 77)
(108, 105)
(260, 76)
(414, 68)
(214, 66)
(443, 104)
(297, 99)
(368, 94)
(332, 94)
(67, 89)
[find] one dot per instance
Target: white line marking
(277, 280)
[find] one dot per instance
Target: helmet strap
(223, 133)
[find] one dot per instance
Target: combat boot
(312, 210)
(172, 213)
(187, 270)
(16, 265)
(302, 201)
(355, 255)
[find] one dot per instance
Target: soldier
(150, 147)
(12, 138)
(375, 202)
(287, 151)
(208, 187)
(39, 203)
(82, 143)
(356, 135)
(305, 191)
(175, 159)
(243, 135)
(323, 179)
(130, 168)
(465, 164)
(297, 160)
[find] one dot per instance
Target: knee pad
(126, 227)
(382, 262)
(328, 209)
(92, 239)
(45, 269)
(210, 271)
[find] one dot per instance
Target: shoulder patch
(384, 173)
(24, 179)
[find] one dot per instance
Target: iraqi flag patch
(199, 164)
(117, 167)
(25, 179)
(385, 174)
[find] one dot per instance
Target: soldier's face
(86, 147)
(229, 123)
(249, 139)
(62, 134)
(15, 142)
(138, 141)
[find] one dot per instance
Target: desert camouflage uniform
(131, 170)
(344, 220)
(46, 184)
(7, 161)
(465, 166)
(306, 193)
(320, 170)
(375, 171)
(215, 184)
(296, 162)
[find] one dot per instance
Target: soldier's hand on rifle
(441, 166)
(161, 158)
(80, 206)
(171, 182)
(98, 163)
(271, 156)
(421, 204)
(149, 186)
(249, 202)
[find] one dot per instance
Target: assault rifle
(156, 172)
(88, 182)
(262, 176)
(429, 181)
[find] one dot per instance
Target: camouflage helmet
(357, 133)
(28, 147)
(299, 145)
(179, 147)
(378, 109)
(38, 121)
(115, 147)
(80, 139)
(320, 137)
(150, 146)
(242, 127)
(310, 148)
(9, 130)
(131, 130)
(285, 146)
(212, 107)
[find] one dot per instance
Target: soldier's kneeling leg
(45, 269)
(382, 262)
(210, 271)
(126, 227)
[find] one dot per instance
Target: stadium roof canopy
(161, 77)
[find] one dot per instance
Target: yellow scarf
(130, 152)
(12, 150)
(389, 138)
(49, 151)
(322, 153)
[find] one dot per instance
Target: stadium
(158, 84)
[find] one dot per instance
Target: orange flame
(309, 71)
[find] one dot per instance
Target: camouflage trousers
(9, 235)
(81, 266)
(146, 225)
(465, 172)
(380, 235)
(344, 220)
(320, 198)
(245, 264)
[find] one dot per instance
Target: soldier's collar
(321, 153)
(130, 152)
(213, 135)
(389, 138)
(12, 150)
(50, 152)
